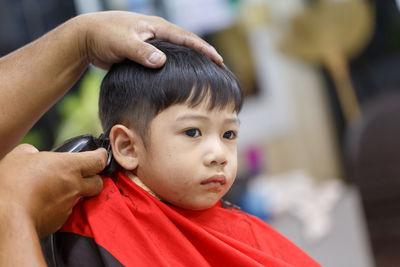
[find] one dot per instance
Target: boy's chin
(197, 206)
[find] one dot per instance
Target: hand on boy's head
(47, 184)
(114, 35)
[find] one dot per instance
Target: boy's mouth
(216, 179)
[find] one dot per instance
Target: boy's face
(191, 155)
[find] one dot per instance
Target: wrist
(13, 215)
(80, 29)
(18, 234)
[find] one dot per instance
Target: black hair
(134, 94)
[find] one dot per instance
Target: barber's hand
(47, 184)
(112, 36)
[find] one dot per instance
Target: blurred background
(319, 146)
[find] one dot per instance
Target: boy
(173, 132)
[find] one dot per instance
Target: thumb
(146, 54)
(27, 148)
(90, 162)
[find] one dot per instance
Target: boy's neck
(139, 182)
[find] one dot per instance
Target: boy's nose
(216, 155)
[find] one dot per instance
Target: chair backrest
(373, 162)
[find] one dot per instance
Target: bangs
(194, 81)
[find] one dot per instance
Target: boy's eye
(230, 135)
(193, 132)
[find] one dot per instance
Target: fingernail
(156, 57)
(219, 58)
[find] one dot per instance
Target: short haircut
(133, 94)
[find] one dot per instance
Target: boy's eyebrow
(233, 120)
(201, 117)
(191, 117)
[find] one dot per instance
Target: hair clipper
(88, 143)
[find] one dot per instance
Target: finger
(91, 186)
(89, 162)
(146, 54)
(174, 34)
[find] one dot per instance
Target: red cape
(139, 230)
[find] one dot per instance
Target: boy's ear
(124, 143)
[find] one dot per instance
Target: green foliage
(79, 111)
(33, 137)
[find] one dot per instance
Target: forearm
(19, 243)
(34, 77)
